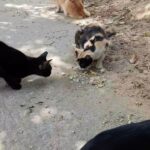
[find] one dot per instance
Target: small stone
(63, 74)
(31, 147)
(121, 120)
(20, 131)
(105, 122)
(73, 132)
(39, 103)
(92, 81)
(139, 104)
(130, 118)
(121, 22)
(100, 85)
(102, 70)
(71, 77)
(133, 59)
(31, 107)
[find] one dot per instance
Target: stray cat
(72, 8)
(14, 65)
(134, 136)
(91, 43)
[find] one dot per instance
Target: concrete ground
(57, 113)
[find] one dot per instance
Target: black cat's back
(13, 61)
(10, 56)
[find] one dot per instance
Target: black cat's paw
(14, 83)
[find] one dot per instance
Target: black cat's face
(45, 69)
(44, 66)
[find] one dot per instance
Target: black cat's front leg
(14, 83)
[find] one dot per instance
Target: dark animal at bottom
(135, 136)
(14, 65)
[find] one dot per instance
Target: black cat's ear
(43, 56)
(49, 60)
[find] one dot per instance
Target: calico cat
(14, 65)
(134, 136)
(72, 8)
(91, 43)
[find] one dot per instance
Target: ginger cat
(72, 8)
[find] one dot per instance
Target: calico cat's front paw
(101, 69)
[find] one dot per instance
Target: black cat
(135, 136)
(14, 65)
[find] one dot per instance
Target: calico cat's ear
(43, 56)
(77, 51)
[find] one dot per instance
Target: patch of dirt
(129, 56)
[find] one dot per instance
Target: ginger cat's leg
(58, 7)
(65, 12)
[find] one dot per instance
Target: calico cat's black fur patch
(85, 62)
(83, 35)
(14, 65)
(135, 136)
